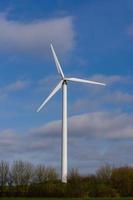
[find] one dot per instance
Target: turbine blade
(59, 69)
(50, 96)
(84, 81)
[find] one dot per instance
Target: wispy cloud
(116, 125)
(13, 87)
(16, 86)
(88, 132)
(8, 137)
(36, 36)
(118, 97)
(112, 79)
(96, 97)
(129, 30)
(107, 98)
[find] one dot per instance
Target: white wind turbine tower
(63, 84)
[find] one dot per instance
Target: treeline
(24, 179)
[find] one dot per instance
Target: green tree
(122, 180)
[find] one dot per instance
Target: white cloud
(97, 124)
(13, 87)
(95, 134)
(107, 98)
(47, 83)
(115, 93)
(112, 79)
(8, 137)
(16, 86)
(118, 97)
(37, 35)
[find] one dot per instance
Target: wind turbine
(63, 84)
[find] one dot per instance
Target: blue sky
(93, 40)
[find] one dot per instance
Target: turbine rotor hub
(64, 81)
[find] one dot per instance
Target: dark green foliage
(23, 179)
(122, 180)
